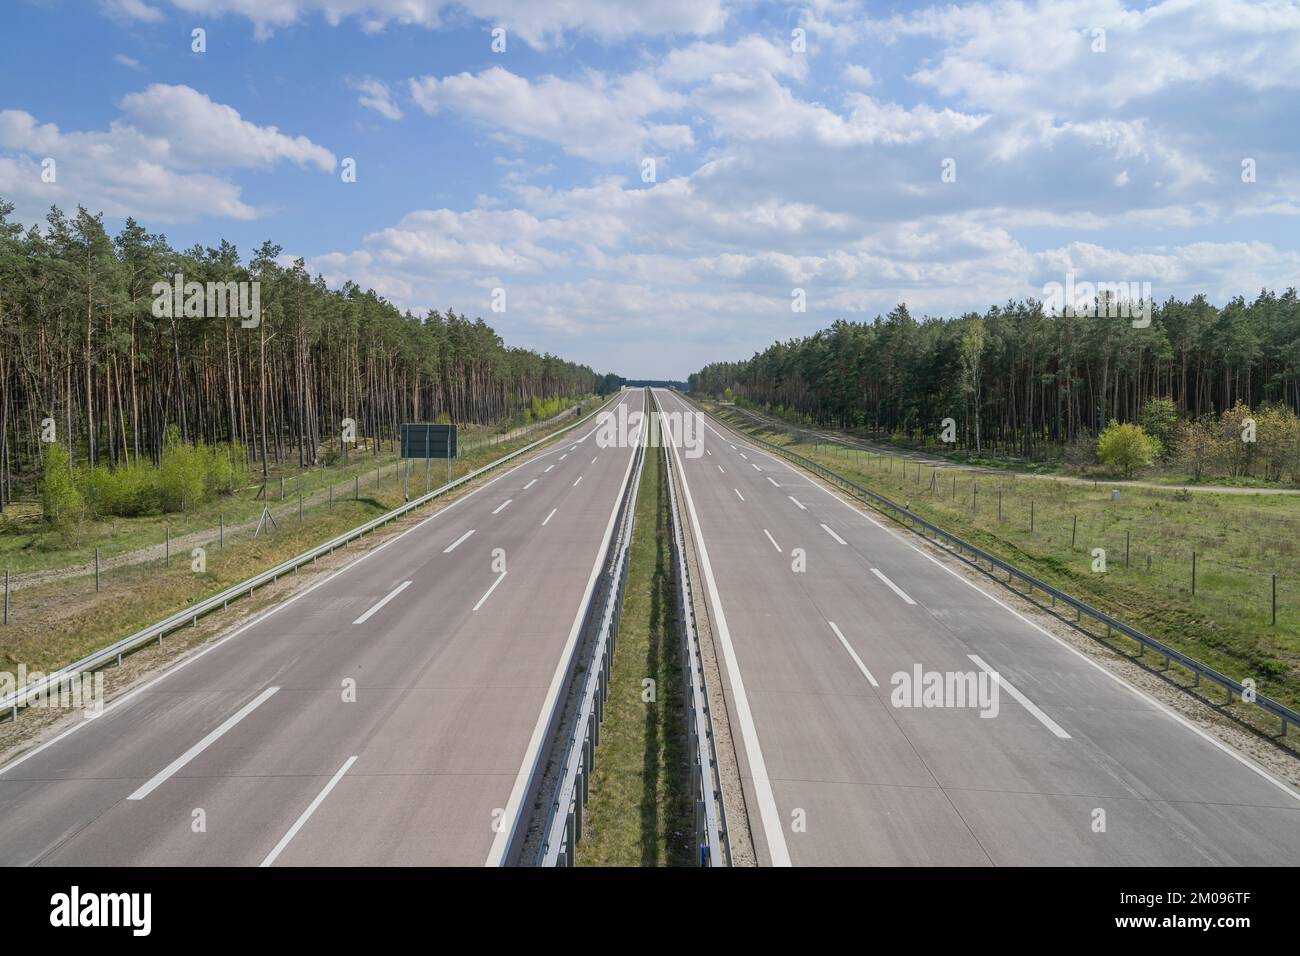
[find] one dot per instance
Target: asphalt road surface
(1075, 768)
(390, 714)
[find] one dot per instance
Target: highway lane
(367, 720)
(847, 777)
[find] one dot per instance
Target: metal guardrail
(920, 525)
(51, 683)
(711, 835)
(563, 827)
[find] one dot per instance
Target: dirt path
(934, 462)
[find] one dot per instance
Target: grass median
(639, 811)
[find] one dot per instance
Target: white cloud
(131, 10)
(595, 117)
(375, 95)
(195, 131)
(536, 23)
(856, 75)
(127, 61)
(154, 164)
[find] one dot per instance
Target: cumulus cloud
(535, 23)
(375, 95)
(158, 162)
(595, 117)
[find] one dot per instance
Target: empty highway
(1073, 766)
(390, 714)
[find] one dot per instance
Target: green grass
(1240, 542)
(639, 811)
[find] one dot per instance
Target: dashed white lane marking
(452, 547)
(593, 461)
(306, 814)
(564, 456)
(384, 600)
(487, 594)
(854, 654)
(773, 480)
(163, 775)
(773, 540)
(892, 586)
(548, 468)
(738, 494)
(833, 535)
(1024, 701)
(798, 502)
(1100, 668)
(549, 516)
(575, 484)
(721, 469)
(501, 507)
(530, 484)
(754, 466)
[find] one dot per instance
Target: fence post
(167, 547)
(6, 595)
(1193, 574)
(221, 530)
(96, 568)
(1275, 602)
(1031, 515)
(1074, 532)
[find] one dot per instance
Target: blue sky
(1087, 136)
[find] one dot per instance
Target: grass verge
(639, 811)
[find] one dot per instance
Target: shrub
(1125, 446)
(60, 500)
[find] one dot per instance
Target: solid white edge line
(1117, 678)
(487, 594)
(828, 530)
(769, 816)
(162, 776)
(1025, 702)
(773, 540)
(501, 841)
(549, 516)
(853, 654)
(187, 660)
(455, 544)
(306, 814)
(382, 601)
(892, 586)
